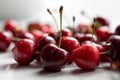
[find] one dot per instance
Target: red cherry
(69, 44)
(44, 41)
(23, 51)
(85, 37)
(46, 28)
(100, 22)
(26, 35)
(38, 34)
(54, 35)
(86, 56)
(103, 33)
(53, 59)
(5, 40)
(11, 25)
(66, 32)
(117, 30)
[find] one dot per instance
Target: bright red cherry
(69, 44)
(103, 33)
(86, 56)
(53, 59)
(85, 37)
(54, 35)
(23, 51)
(5, 40)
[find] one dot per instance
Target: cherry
(103, 33)
(84, 37)
(37, 34)
(46, 28)
(53, 59)
(54, 35)
(117, 30)
(115, 45)
(44, 41)
(86, 57)
(11, 25)
(66, 32)
(69, 44)
(26, 35)
(102, 48)
(23, 51)
(114, 51)
(100, 21)
(5, 40)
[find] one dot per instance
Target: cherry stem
(60, 12)
(93, 30)
(16, 39)
(73, 23)
(106, 52)
(48, 10)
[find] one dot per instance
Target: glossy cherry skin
(69, 44)
(86, 57)
(115, 47)
(23, 51)
(84, 37)
(44, 41)
(5, 40)
(103, 33)
(53, 59)
(102, 48)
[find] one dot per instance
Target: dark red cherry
(5, 40)
(117, 30)
(115, 47)
(85, 37)
(86, 56)
(44, 41)
(103, 33)
(100, 21)
(23, 51)
(69, 44)
(53, 59)
(54, 35)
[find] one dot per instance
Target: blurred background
(27, 10)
